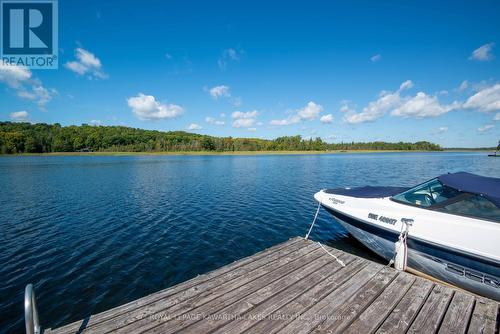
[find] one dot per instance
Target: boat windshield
(437, 196)
(473, 206)
(427, 194)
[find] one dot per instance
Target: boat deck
(298, 287)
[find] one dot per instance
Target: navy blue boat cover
(488, 187)
(368, 191)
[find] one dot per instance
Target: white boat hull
(425, 255)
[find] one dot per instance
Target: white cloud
(463, 86)
(486, 99)
(422, 106)
(376, 58)
(483, 53)
(40, 94)
(287, 121)
(86, 64)
(219, 91)
(14, 76)
(223, 91)
(442, 129)
(213, 121)
(419, 106)
(309, 112)
(21, 80)
(244, 119)
(252, 129)
(95, 122)
(229, 55)
(497, 117)
(326, 118)
(345, 107)
(485, 128)
(236, 101)
(376, 109)
(193, 126)
(19, 116)
(248, 114)
(405, 85)
(243, 122)
(146, 108)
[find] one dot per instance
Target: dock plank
(339, 318)
(163, 311)
(305, 273)
(376, 313)
(458, 314)
(244, 293)
(229, 271)
(296, 287)
(269, 298)
(484, 317)
(407, 309)
(275, 320)
(431, 314)
(139, 309)
(317, 313)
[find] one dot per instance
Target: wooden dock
(297, 287)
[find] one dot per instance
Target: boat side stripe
(478, 263)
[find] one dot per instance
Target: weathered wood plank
(340, 317)
(247, 294)
(276, 320)
(317, 313)
(171, 317)
(295, 287)
(376, 313)
(484, 317)
(407, 309)
(274, 295)
(189, 288)
(458, 314)
(430, 316)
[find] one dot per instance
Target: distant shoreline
(235, 153)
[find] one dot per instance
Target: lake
(95, 232)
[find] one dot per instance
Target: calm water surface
(93, 233)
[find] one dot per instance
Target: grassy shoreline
(211, 153)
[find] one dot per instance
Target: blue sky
(342, 71)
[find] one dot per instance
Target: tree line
(46, 138)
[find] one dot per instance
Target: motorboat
(497, 151)
(452, 226)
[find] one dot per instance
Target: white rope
(326, 250)
(336, 258)
(314, 221)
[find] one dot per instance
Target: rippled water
(93, 233)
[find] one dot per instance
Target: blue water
(93, 233)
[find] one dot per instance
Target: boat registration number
(383, 219)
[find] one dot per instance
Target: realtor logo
(29, 33)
